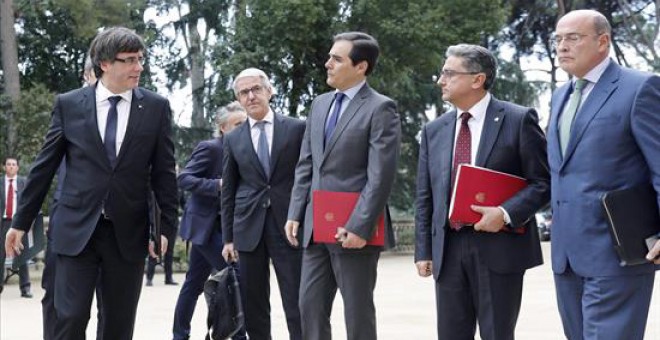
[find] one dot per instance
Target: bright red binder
(332, 210)
(480, 186)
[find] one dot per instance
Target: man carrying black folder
(602, 136)
(478, 269)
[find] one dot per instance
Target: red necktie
(10, 200)
(462, 152)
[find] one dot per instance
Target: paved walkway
(405, 305)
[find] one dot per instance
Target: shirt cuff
(507, 218)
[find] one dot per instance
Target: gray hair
(112, 41)
(253, 72)
(476, 59)
(224, 113)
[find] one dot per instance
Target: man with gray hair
(478, 269)
(259, 162)
(201, 222)
(117, 141)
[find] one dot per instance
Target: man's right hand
(229, 253)
(424, 268)
(291, 231)
(13, 242)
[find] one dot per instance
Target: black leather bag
(223, 298)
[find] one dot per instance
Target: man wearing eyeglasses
(478, 269)
(117, 141)
(260, 157)
(603, 135)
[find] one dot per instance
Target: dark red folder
(480, 186)
(332, 210)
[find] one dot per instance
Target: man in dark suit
(200, 223)
(12, 186)
(478, 269)
(117, 142)
(351, 144)
(259, 162)
(603, 136)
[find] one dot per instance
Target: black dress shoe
(171, 283)
(26, 294)
(149, 283)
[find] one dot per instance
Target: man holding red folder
(351, 144)
(478, 269)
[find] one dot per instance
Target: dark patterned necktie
(334, 117)
(262, 147)
(462, 153)
(110, 139)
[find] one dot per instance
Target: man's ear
(362, 67)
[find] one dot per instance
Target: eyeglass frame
(571, 39)
(255, 90)
(132, 60)
(448, 74)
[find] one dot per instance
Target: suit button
(268, 187)
(266, 204)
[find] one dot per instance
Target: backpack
(223, 298)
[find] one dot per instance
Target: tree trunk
(9, 66)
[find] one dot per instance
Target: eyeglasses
(256, 90)
(131, 60)
(448, 74)
(570, 39)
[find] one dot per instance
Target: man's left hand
(654, 253)
(492, 219)
(350, 240)
(163, 247)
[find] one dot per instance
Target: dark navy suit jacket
(200, 177)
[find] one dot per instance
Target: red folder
(332, 210)
(480, 186)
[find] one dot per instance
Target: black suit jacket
(246, 190)
(511, 142)
(91, 183)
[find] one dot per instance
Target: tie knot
(11, 180)
(114, 100)
(261, 125)
(465, 116)
(579, 84)
(339, 97)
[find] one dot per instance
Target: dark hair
(107, 44)
(10, 157)
(365, 48)
(476, 59)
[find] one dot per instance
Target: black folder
(633, 216)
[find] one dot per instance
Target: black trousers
(76, 278)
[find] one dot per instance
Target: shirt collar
(270, 116)
(595, 73)
(352, 92)
(102, 93)
(478, 110)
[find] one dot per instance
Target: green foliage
(32, 119)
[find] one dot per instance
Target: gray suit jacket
(360, 157)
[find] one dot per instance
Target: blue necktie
(332, 120)
(262, 147)
(110, 139)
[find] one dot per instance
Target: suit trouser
(23, 270)
(467, 291)
(202, 260)
(326, 268)
(76, 278)
(255, 282)
(604, 308)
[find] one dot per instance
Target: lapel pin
(140, 106)
(497, 119)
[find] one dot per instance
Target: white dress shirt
(123, 111)
(255, 131)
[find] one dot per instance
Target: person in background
(602, 136)
(12, 186)
(117, 139)
(351, 144)
(259, 161)
(478, 269)
(201, 222)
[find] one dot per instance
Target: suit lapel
(279, 133)
(248, 148)
(446, 137)
(319, 116)
(88, 107)
(560, 99)
(135, 118)
(492, 124)
(2, 196)
(346, 117)
(599, 95)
